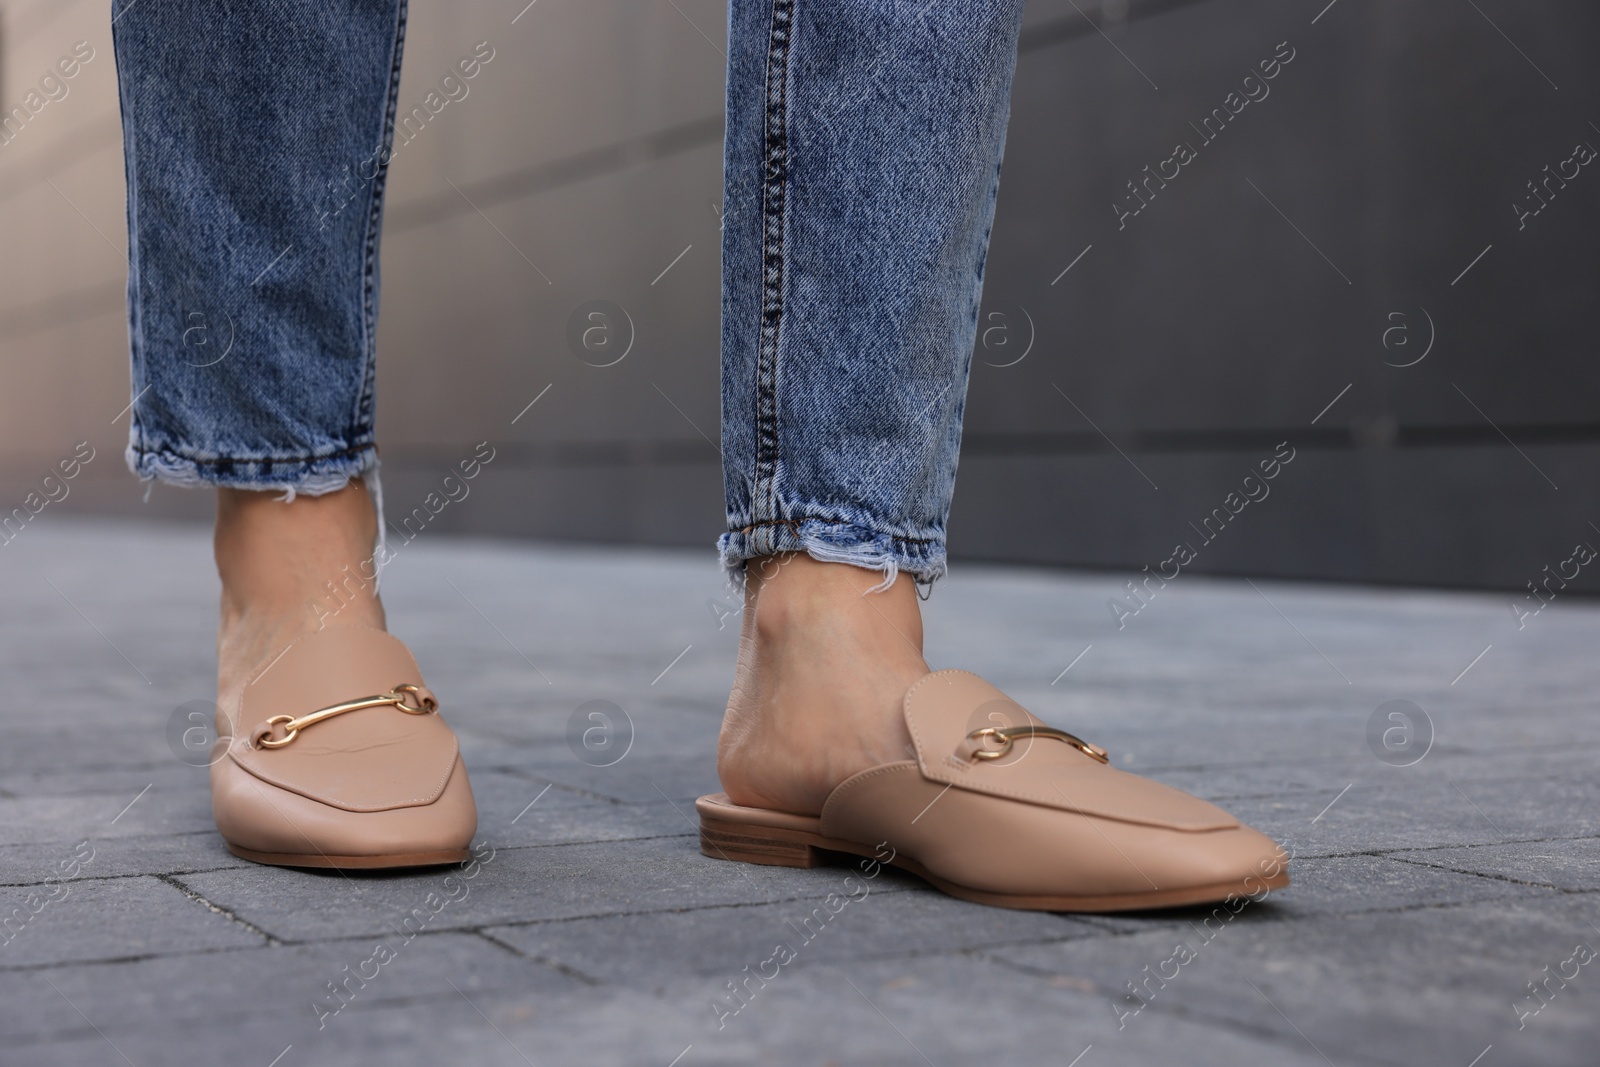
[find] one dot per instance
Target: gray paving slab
(1564, 864)
(200, 850)
(657, 949)
(639, 780)
(1425, 897)
(540, 730)
(1349, 885)
(1306, 778)
(548, 882)
(1424, 811)
(542, 812)
(111, 918)
(74, 738)
(206, 991)
(79, 779)
(894, 1013)
(1352, 884)
(173, 809)
(1434, 985)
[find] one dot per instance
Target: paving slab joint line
(115, 877)
(1402, 909)
(142, 957)
(290, 943)
(675, 911)
(1388, 851)
(219, 909)
(530, 776)
(80, 878)
(591, 841)
(1286, 791)
(543, 961)
(1266, 917)
(1028, 970)
(1495, 877)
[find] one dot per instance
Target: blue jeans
(861, 165)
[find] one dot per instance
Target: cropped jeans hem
(296, 475)
(829, 541)
(861, 165)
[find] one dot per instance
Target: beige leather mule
(336, 756)
(1001, 809)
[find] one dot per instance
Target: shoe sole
(784, 847)
(354, 863)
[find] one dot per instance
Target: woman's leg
(257, 137)
(862, 162)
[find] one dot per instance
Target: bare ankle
(312, 555)
(823, 665)
(790, 592)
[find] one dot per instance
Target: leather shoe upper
(374, 781)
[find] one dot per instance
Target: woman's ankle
(312, 555)
(791, 592)
(823, 665)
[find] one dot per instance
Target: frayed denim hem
(292, 477)
(835, 542)
(311, 477)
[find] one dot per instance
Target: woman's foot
(828, 679)
(289, 569)
(823, 668)
(379, 781)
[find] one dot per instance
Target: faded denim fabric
(862, 161)
(861, 165)
(255, 139)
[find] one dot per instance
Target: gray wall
(1260, 283)
(1254, 288)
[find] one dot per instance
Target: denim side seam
(773, 211)
(364, 414)
(828, 540)
(130, 157)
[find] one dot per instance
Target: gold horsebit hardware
(1005, 735)
(425, 704)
